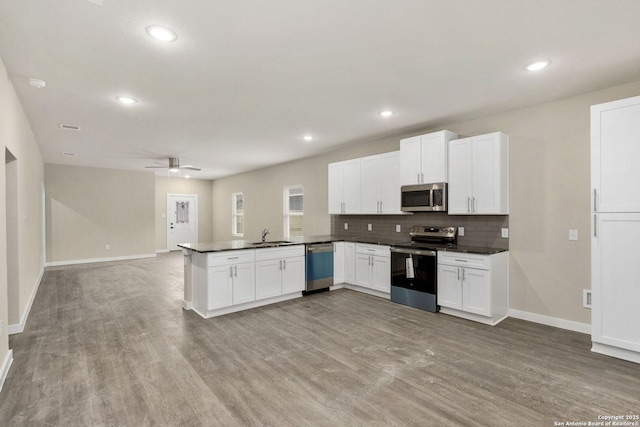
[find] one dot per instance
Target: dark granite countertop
(233, 245)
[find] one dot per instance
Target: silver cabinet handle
(418, 177)
(460, 260)
(233, 257)
(280, 263)
(458, 273)
(284, 264)
(236, 270)
(595, 196)
(475, 208)
(595, 225)
(381, 207)
(422, 177)
(468, 204)
(464, 274)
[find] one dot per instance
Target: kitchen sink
(271, 243)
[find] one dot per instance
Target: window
(293, 211)
(237, 214)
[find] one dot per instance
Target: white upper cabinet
(367, 185)
(423, 158)
(479, 175)
(615, 151)
(381, 184)
(344, 187)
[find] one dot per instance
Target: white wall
(16, 136)
(90, 208)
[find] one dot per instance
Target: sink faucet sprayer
(264, 234)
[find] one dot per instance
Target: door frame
(167, 216)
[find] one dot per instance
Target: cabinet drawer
(230, 257)
(373, 250)
(279, 252)
(464, 260)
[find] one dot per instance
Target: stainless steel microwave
(424, 197)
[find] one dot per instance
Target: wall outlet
(460, 231)
(369, 227)
(505, 233)
(398, 228)
(573, 234)
(586, 298)
(107, 247)
(346, 226)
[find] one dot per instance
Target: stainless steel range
(414, 266)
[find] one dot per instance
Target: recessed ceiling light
(538, 65)
(386, 113)
(307, 137)
(126, 100)
(37, 83)
(161, 33)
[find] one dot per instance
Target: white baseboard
(92, 260)
(19, 328)
(162, 251)
(187, 305)
(8, 360)
(551, 321)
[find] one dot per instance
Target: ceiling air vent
(67, 154)
(69, 127)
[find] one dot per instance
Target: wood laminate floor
(109, 344)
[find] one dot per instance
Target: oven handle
(425, 252)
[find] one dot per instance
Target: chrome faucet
(264, 234)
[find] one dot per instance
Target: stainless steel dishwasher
(319, 267)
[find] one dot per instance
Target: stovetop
(433, 238)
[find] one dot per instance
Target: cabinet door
(244, 289)
(293, 275)
(615, 280)
(434, 157)
(449, 287)
(268, 278)
(389, 183)
(476, 291)
(336, 178)
(487, 174)
(350, 263)
(220, 287)
(338, 262)
(363, 270)
(381, 274)
(351, 186)
(460, 176)
(410, 166)
(615, 153)
(370, 185)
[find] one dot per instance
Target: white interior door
(182, 220)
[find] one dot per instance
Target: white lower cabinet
(373, 267)
(344, 263)
(472, 286)
(225, 282)
(279, 271)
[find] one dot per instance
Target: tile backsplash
(479, 230)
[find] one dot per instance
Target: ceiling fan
(174, 165)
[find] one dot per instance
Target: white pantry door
(182, 220)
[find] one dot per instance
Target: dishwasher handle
(324, 247)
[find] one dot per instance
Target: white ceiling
(246, 79)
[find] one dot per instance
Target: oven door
(414, 278)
